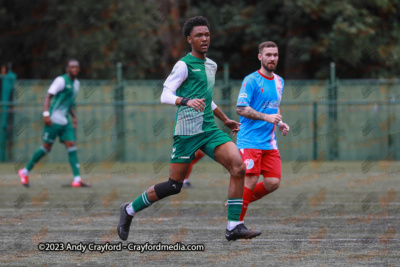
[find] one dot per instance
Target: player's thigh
(228, 156)
(50, 133)
(178, 171)
(67, 135)
(219, 147)
(271, 164)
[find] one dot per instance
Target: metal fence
(126, 121)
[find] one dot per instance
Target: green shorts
(65, 132)
(185, 146)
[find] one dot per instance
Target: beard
(269, 68)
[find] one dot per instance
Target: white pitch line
(308, 239)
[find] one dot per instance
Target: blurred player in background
(258, 107)
(193, 78)
(198, 155)
(57, 123)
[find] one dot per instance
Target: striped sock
(234, 208)
(73, 160)
(141, 203)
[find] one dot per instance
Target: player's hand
(273, 118)
(233, 125)
(74, 123)
(47, 121)
(284, 128)
(197, 104)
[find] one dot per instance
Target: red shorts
(265, 162)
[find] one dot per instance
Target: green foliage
(360, 36)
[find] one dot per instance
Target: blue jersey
(264, 95)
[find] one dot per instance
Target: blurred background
(339, 59)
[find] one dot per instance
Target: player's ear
(259, 56)
(189, 39)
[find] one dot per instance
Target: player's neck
(266, 73)
(198, 55)
(71, 77)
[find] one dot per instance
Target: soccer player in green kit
(57, 123)
(190, 86)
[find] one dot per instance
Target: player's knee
(69, 144)
(169, 188)
(46, 147)
(272, 184)
(238, 169)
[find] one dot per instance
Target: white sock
(77, 179)
(185, 181)
(129, 209)
(25, 171)
(231, 225)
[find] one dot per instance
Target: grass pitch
(324, 214)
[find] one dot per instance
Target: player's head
(268, 55)
(197, 33)
(72, 67)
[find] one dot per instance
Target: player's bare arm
(250, 113)
(231, 124)
(46, 106)
(283, 127)
(74, 119)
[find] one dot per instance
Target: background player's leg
(250, 182)
(268, 185)
(37, 155)
(271, 170)
(199, 155)
(73, 161)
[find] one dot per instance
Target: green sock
(141, 202)
(73, 160)
(234, 209)
(39, 153)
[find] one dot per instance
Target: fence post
(226, 90)
(315, 133)
(119, 111)
(332, 114)
(7, 88)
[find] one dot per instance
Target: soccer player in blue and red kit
(258, 107)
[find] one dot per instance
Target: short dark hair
(71, 59)
(193, 22)
(266, 44)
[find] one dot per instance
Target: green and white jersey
(192, 78)
(64, 91)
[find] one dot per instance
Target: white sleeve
(57, 86)
(175, 79)
(213, 105)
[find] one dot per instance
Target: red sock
(199, 154)
(258, 192)
(247, 195)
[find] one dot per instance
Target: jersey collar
(259, 72)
